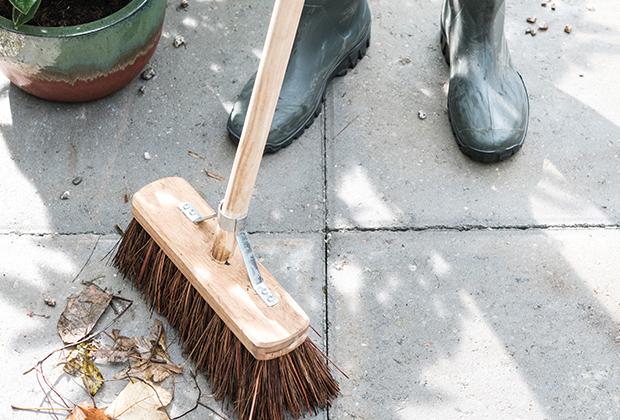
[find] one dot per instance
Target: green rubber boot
(487, 101)
(332, 36)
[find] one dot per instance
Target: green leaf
(19, 16)
(24, 6)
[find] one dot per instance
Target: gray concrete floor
(444, 288)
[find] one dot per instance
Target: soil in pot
(54, 13)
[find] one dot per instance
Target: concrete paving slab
(484, 324)
(185, 107)
(388, 168)
(35, 267)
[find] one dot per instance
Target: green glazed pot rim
(77, 30)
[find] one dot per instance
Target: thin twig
(330, 360)
(40, 409)
(83, 340)
(40, 371)
(131, 378)
(83, 388)
(193, 375)
(93, 280)
(109, 253)
(46, 395)
(212, 410)
(116, 311)
(346, 126)
(315, 331)
(87, 260)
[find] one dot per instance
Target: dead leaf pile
(82, 313)
(147, 356)
(80, 363)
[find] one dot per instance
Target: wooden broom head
(290, 375)
(266, 332)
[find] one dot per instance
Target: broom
(235, 320)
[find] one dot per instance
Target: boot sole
(475, 154)
(349, 62)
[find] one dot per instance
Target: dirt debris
(179, 41)
(213, 175)
(148, 73)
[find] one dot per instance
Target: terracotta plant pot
(82, 62)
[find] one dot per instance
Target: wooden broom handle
(271, 71)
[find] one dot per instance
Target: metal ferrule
(229, 224)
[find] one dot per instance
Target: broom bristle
(299, 382)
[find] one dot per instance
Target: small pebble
(65, 195)
(49, 302)
(178, 41)
(148, 73)
(533, 32)
(421, 115)
(543, 26)
(553, 6)
(590, 8)
(543, 4)
(142, 90)
(184, 4)
(77, 180)
(531, 19)
(147, 156)
(568, 29)
(528, 31)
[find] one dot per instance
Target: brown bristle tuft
(299, 382)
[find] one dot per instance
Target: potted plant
(77, 50)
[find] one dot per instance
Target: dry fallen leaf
(87, 412)
(140, 401)
(148, 356)
(121, 350)
(82, 313)
(80, 362)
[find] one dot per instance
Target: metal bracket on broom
(235, 226)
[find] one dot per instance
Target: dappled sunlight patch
(366, 205)
(439, 264)
(6, 116)
(553, 202)
(23, 200)
(594, 259)
(348, 279)
(478, 378)
(190, 22)
(25, 261)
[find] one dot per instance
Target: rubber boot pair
(487, 101)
